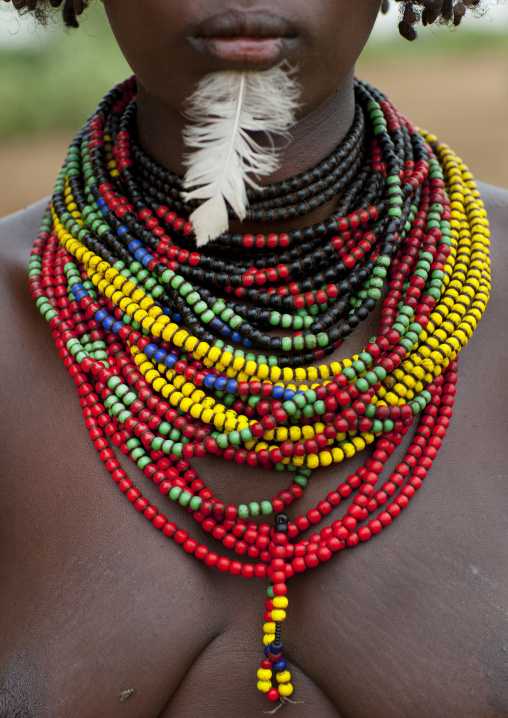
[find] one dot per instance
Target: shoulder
(17, 309)
(17, 236)
(18, 232)
(495, 200)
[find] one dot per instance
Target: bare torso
(94, 602)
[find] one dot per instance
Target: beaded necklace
(165, 343)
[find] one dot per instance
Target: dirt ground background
(463, 101)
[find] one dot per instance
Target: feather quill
(224, 111)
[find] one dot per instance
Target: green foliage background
(53, 86)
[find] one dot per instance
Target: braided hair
(429, 11)
(42, 9)
(449, 12)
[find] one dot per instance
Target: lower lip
(248, 50)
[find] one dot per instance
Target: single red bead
(349, 523)
(311, 561)
(302, 522)
(159, 521)
(334, 498)
(229, 541)
(375, 526)
(260, 570)
(298, 564)
(352, 540)
(189, 545)
(133, 494)
(180, 536)
(344, 490)
(278, 576)
(273, 695)
(211, 559)
(401, 501)
(150, 512)
(324, 553)
(247, 570)
(169, 529)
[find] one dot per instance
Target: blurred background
(454, 83)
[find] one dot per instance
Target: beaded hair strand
(429, 11)
(449, 12)
(71, 9)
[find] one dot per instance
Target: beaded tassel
(275, 614)
(172, 357)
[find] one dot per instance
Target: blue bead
(247, 343)
(108, 323)
(170, 360)
(209, 381)
(280, 665)
(81, 295)
(101, 314)
(104, 211)
(231, 386)
(122, 230)
(226, 331)
(278, 392)
(117, 326)
(140, 253)
(135, 244)
(289, 394)
(160, 355)
(147, 259)
(276, 648)
(220, 382)
(236, 337)
(150, 349)
(101, 203)
(177, 318)
(216, 324)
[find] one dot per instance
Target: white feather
(224, 111)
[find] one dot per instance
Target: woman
(101, 614)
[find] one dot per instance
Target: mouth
(243, 39)
(245, 50)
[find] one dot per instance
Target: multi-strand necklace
(174, 355)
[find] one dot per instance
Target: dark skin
(94, 602)
(165, 46)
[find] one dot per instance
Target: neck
(313, 137)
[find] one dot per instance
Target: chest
(100, 615)
(103, 616)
